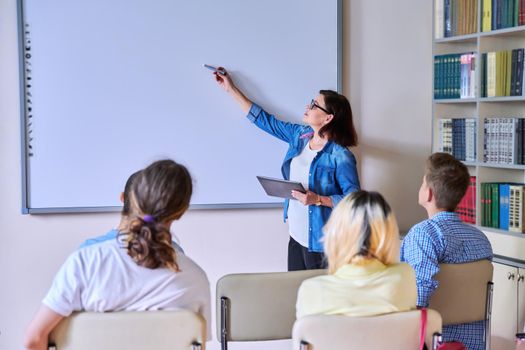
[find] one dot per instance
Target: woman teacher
(318, 157)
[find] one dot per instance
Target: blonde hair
(362, 226)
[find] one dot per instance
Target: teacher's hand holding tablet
(308, 198)
(318, 158)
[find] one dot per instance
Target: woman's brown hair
(341, 128)
(159, 194)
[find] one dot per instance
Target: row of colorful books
(502, 73)
(457, 136)
(454, 76)
(499, 14)
(502, 206)
(504, 140)
(455, 17)
(466, 209)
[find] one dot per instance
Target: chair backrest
(258, 306)
(464, 292)
(400, 330)
(159, 330)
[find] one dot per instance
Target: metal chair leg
(488, 314)
(225, 303)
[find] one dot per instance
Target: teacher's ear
(328, 119)
(121, 197)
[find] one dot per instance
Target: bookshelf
(472, 39)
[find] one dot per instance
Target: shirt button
(310, 229)
(310, 212)
(310, 174)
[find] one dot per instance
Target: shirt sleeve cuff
(59, 309)
(336, 198)
(254, 112)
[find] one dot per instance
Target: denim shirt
(333, 171)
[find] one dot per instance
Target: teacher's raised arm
(318, 156)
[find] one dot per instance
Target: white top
(103, 277)
(298, 212)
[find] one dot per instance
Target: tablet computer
(279, 187)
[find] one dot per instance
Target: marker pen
(215, 69)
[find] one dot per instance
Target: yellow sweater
(359, 290)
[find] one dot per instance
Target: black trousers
(299, 258)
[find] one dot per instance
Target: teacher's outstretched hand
(318, 156)
(225, 81)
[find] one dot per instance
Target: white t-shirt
(103, 277)
(298, 212)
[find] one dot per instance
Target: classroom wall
(387, 70)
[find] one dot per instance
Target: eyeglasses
(314, 104)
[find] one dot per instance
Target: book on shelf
(503, 141)
(516, 207)
(500, 14)
(455, 17)
(502, 73)
(504, 200)
(466, 208)
(502, 206)
(457, 136)
(521, 12)
(486, 16)
(454, 76)
(494, 205)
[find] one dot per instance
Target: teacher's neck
(318, 138)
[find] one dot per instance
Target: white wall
(387, 69)
(389, 80)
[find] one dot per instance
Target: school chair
(395, 331)
(464, 294)
(258, 306)
(159, 330)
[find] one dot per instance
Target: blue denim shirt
(333, 171)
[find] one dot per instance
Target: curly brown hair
(159, 193)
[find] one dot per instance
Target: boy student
(443, 238)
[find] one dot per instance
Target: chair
(258, 306)
(159, 330)
(464, 294)
(400, 330)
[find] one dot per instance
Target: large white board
(112, 85)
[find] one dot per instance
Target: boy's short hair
(448, 178)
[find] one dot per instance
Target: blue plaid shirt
(445, 239)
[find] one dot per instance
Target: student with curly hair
(140, 270)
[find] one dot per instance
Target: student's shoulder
(101, 251)
(189, 266)
(401, 268)
(318, 282)
(420, 229)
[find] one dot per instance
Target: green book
(483, 214)
(494, 205)
(516, 13)
(488, 207)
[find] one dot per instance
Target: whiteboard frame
(24, 120)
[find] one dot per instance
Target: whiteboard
(110, 86)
